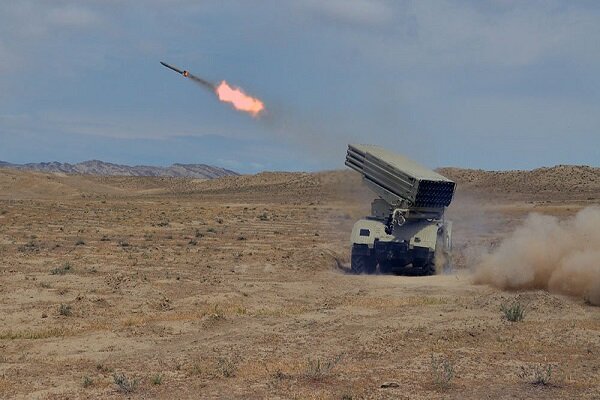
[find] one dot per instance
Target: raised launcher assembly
(406, 231)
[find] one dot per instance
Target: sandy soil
(233, 288)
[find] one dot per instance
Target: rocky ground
(132, 287)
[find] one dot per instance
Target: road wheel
(362, 264)
(429, 269)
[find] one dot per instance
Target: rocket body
(172, 68)
(186, 74)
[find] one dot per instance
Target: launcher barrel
(398, 180)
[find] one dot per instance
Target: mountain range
(96, 167)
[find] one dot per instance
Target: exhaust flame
(239, 100)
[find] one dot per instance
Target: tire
(429, 269)
(423, 268)
(387, 267)
(362, 264)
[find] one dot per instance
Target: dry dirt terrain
(236, 288)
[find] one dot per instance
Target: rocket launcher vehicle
(406, 232)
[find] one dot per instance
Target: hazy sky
(493, 85)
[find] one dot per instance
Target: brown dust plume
(561, 256)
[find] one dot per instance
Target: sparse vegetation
(513, 312)
(442, 371)
(87, 381)
(279, 375)
(62, 270)
(226, 366)
(65, 310)
(538, 374)
(35, 334)
(29, 247)
(157, 379)
(79, 242)
(542, 375)
(216, 314)
(125, 384)
(241, 310)
(317, 368)
(196, 368)
(103, 368)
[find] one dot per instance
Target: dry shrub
(317, 368)
(442, 371)
(125, 384)
(514, 312)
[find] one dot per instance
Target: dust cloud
(561, 256)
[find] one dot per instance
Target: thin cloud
(73, 16)
(34, 20)
(457, 33)
(367, 12)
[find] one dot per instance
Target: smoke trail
(545, 253)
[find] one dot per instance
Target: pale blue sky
(493, 85)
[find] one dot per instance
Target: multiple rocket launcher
(406, 231)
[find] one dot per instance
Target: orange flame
(239, 100)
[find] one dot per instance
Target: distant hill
(95, 167)
(560, 181)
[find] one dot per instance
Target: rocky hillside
(95, 167)
(573, 181)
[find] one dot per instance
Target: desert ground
(237, 287)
